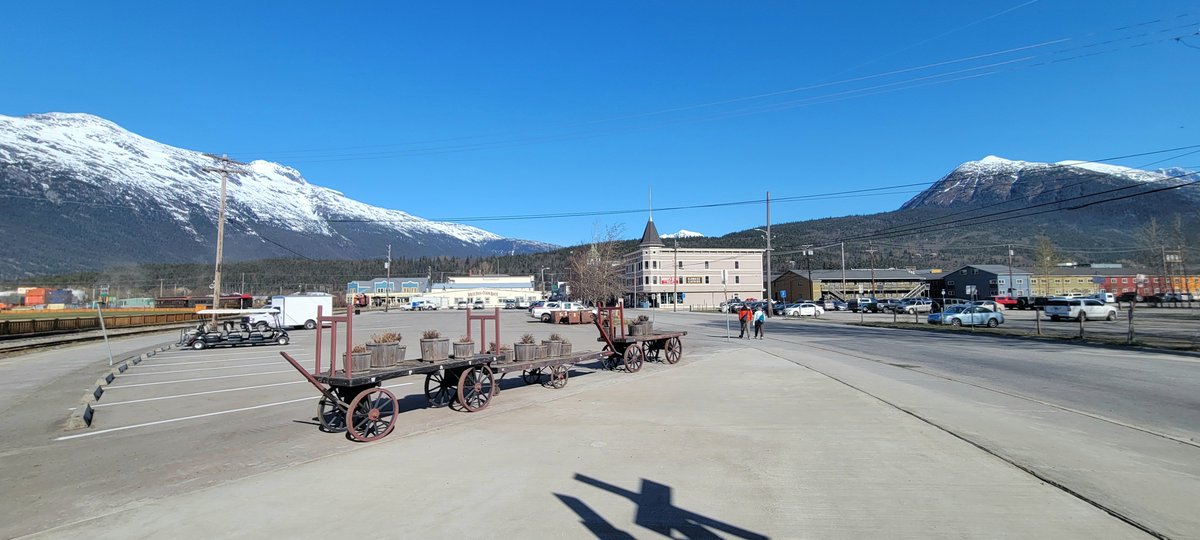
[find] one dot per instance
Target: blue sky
(455, 109)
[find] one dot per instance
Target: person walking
(744, 315)
(760, 316)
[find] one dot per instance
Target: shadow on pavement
(655, 511)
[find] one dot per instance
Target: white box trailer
(295, 310)
(424, 303)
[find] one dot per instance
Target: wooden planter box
(564, 348)
(435, 350)
(523, 352)
(542, 351)
(360, 362)
(463, 350)
(553, 348)
(383, 354)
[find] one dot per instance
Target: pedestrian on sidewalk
(744, 315)
(760, 316)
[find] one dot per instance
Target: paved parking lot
(1167, 327)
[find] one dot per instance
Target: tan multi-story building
(1069, 280)
(660, 276)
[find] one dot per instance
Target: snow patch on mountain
(684, 233)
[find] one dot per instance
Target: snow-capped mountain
(994, 179)
(684, 233)
(76, 189)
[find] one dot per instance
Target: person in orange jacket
(744, 315)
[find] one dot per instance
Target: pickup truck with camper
(294, 311)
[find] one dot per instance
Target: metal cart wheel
(372, 415)
(674, 350)
(439, 389)
(531, 376)
(476, 386)
(633, 358)
(558, 377)
(331, 416)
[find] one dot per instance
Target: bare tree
(1044, 260)
(595, 269)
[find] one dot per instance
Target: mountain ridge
(73, 173)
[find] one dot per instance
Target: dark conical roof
(650, 236)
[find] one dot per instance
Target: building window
(737, 279)
(647, 263)
(647, 280)
(706, 280)
(950, 283)
(974, 271)
(656, 280)
(736, 265)
(681, 264)
(1020, 281)
(706, 265)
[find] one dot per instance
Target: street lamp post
(543, 278)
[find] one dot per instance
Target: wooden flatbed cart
(631, 351)
(356, 402)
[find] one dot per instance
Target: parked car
(835, 305)
(1177, 297)
(478, 305)
(974, 316)
(917, 306)
(990, 304)
(940, 304)
(888, 305)
(1080, 309)
(510, 304)
(535, 305)
(1129, 297)
(1006, 301)
(804, 309)
(936, 317)
(543, 313)
(461, 305)
(864, 305)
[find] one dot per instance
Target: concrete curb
(82, 416)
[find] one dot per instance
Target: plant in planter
(504, 354)
(462, 347)
(434, 347)
(640, 326)
(526, 349)
(385, 349)
(360, 359)
(553, 345)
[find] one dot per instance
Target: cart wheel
(674, 350)
(332, 418)
(633, 358)
(439, 389)
(558, 377)
(283, 340)
(198, 345)
(475, 388)
(531, 376)
(372, 415)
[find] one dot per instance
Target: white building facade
(660, 276)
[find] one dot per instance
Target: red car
(1006, 301)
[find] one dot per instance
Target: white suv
(1080, 309)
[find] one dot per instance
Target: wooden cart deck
(649, 337)
(402, 369)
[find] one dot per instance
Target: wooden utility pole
(388, 288)
(226, 167)
(872, 251)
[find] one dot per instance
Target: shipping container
(35, 296)
(59, 296)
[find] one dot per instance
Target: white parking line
(120, 386)
(98, 405)
(202, 369)
(193, 417)
(169, 364)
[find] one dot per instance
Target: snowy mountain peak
(684, 233)
(82, 159)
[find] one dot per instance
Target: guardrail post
(1129, 340)
(1037, 319)
(1080, 327)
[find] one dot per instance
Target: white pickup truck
(542, 312)
(1079, 308)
